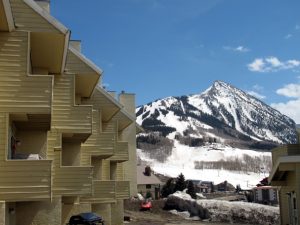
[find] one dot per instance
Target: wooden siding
(121, 152)
(122, 189)
(100, 144)
(28, 19)
(110, 126)
(53, 142)
(3, 135)
(67, 118)
(75, 65)
(25, 180)
(20, 92)
(120, 172)
(103, 192)
(73, 181)
(105, 169)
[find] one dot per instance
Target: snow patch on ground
(236, 211)
(233, 212)
(183, 158)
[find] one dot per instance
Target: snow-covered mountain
(210, 136)
(222, 114)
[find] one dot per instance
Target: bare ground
(157, 216)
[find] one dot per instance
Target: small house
(267, 195)
(148, 182)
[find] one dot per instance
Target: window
(148, 186)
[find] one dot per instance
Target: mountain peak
(220, 83)
(222, 111)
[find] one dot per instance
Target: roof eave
(86, 61)
(111, 98)
(9, 16)
(65, 53)
(280, 160)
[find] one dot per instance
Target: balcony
(122, 189)
(25, 180)
(73, 181)
(74, 121)
(49, 38)
(121, 152)
(20, 92)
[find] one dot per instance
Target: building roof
(282, 160)
(264, 187)
(143, 179)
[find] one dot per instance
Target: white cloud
(236, 49)
(273, 61)
(272, 64)
(288, 36)
(290, 90)
(257, 65)
(290, 109)
(256, 95)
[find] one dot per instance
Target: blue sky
(161, 48)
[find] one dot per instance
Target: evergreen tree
(168, 188)
(191, 190)
(180, 184)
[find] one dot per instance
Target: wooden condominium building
(286, 175)
(67, 146)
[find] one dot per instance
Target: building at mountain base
(286, 175)
(148, 183)
(66, 144)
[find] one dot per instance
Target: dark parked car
(86, 219)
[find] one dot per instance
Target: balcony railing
(73, 181)
(101, 145)
(74, 120)
(108, 191)
(25, 180)
(121, 152)
(103, 192)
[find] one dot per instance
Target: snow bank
(241, 212)
(183, 195)
(184, 214)
(182, 204)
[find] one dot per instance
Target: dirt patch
(157, 216)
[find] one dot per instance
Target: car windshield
(89, 216)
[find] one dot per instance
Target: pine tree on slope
(180, 184)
